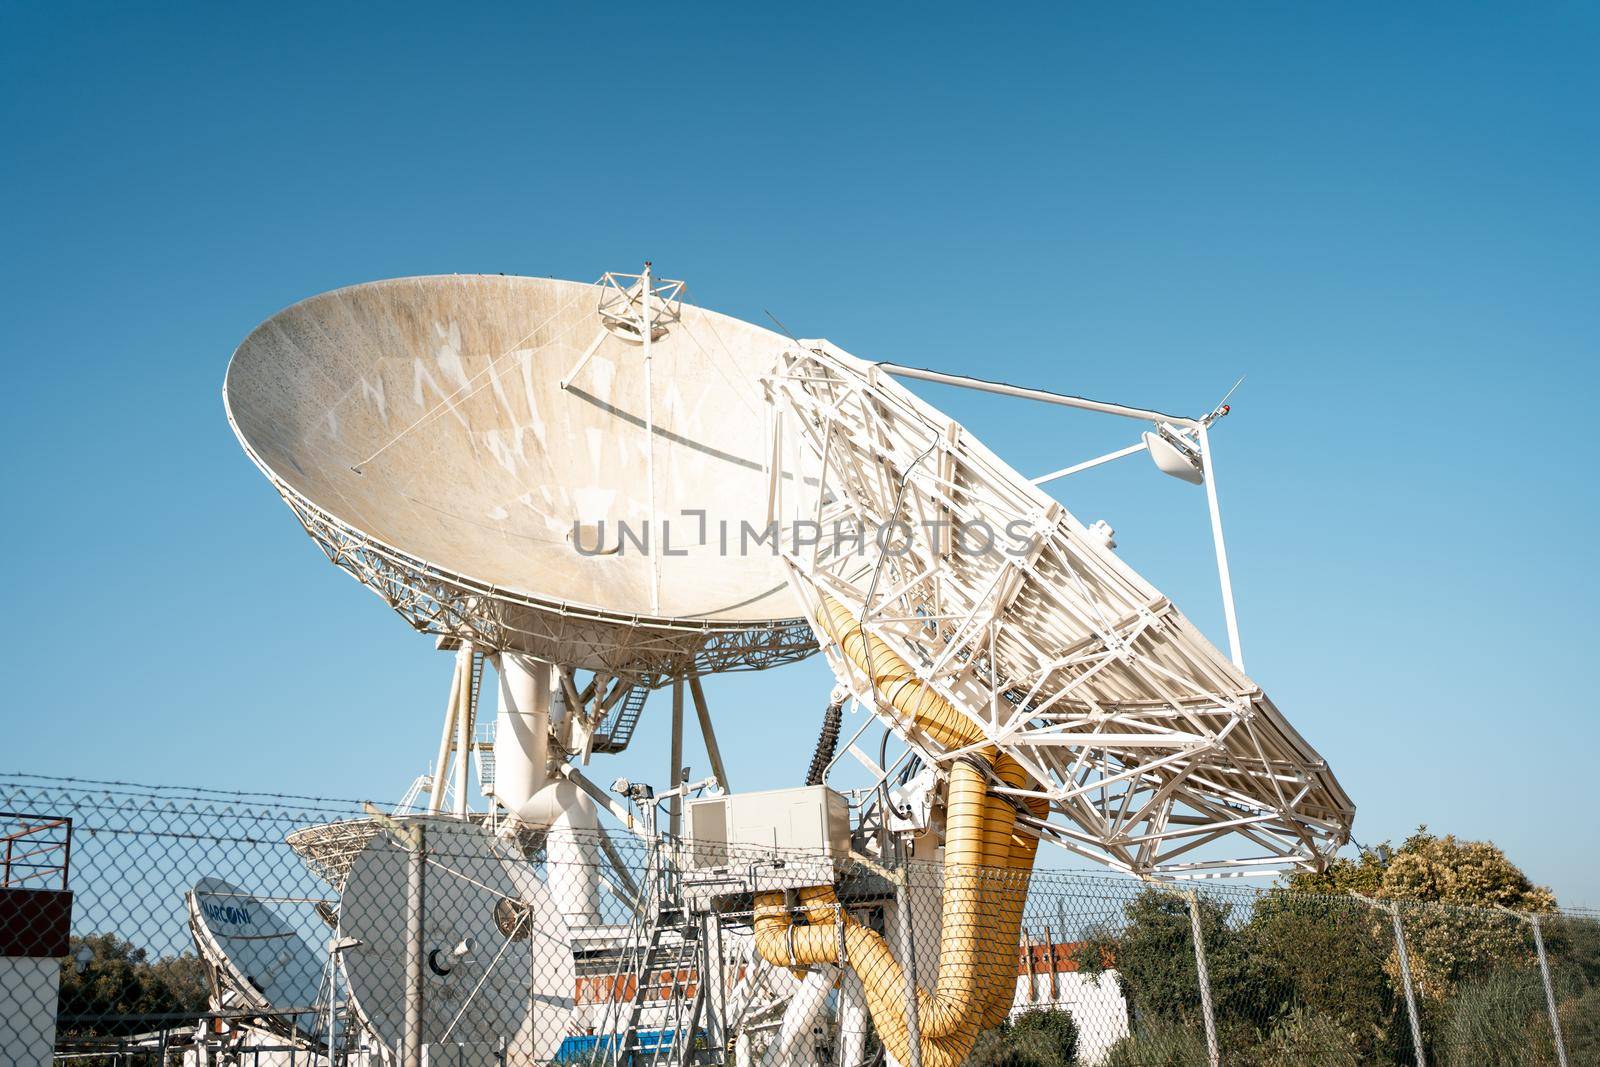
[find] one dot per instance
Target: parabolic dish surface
(264, 962)
(420, 431)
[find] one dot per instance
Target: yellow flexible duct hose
(962, 988)
(896, 684)
(1022, 847)
(881, 977)
(976, 978)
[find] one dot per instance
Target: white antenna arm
(1235, 653)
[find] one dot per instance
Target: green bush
(1332, 952)
(1047, 1038)
(1498, 1021)
(1153, 954)
(1304, 1037)
(1573, 943)
(1580, 1027)
(1033, 1039)
(1160, 1043)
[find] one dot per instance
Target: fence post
(1405, 979)
(1213, 1054)
(1549, 991)
(416, 901)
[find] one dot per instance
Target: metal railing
(37, 851)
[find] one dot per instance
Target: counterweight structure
(1147, 742)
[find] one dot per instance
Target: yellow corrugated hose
(977, 971)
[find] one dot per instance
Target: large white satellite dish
(498, 953)
(261, 961)
(445, 439)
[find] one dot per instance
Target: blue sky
(1384, 215)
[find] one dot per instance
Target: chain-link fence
(144, 925)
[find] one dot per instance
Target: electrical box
(801, 832)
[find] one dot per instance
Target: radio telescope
(546, 474)
(557, 478)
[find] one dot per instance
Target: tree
(121, 983)
(1427, 867)
(1462, 937)
(1154, 957)
(1311, 975)
(1332, 954)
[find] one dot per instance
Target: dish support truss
(1155, 752)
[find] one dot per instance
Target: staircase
(482, 728)
(658, 1007)
(664, 972)
(614, 734)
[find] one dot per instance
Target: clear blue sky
(1385, 215)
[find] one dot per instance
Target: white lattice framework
(1158, 756)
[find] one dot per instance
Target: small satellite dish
(262, 962)
(1175, 456)
(497, 951)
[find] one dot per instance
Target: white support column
(1090, 464)
(464, 724)
(1234, 651)
(588, 354)
(1024, 393)
(440, 772)
(790, 1044)
(522, 730)
(906, 938)
(707, 733)
(854, 1019)
(675, 802)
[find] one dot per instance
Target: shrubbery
(1160, 1043)
(1498, 1021)
(1311, 976)
(1306, 1038)
(1580, 1026)
(1033, 1039)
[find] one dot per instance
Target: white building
(1048, 979)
